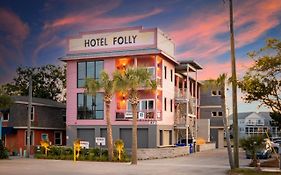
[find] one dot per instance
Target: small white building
(251, 123)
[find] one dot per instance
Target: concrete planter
(159, 153)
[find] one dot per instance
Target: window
(171, 75)
(90, 69)
(31, 137)
(171, 105)
(216, 114)
(165, 72)
(32, 113)
(151, 70)
(44, 136)
(165, 104)
(146, 105)
(216, 93)
(90, 107)
(170, 137)
(5, 115)
(161, 137)
(58, 138)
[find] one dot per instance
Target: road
(203, 163)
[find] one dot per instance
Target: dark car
(261, 154)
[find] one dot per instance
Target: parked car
(261, 154)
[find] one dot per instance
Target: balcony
(144, 115)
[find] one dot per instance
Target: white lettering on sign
(113, 40)
(100, 140)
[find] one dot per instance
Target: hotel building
(165, 117)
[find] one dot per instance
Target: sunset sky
(33, 33)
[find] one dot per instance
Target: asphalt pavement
(214, 162)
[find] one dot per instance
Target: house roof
(117, 53)
(243, 115)
(38, 101)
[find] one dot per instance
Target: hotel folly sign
(116, 40)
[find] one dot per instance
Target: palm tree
(220, 83)
(129, 81)
(105, 83)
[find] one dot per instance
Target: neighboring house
(251, 123)
(165, 117)
(47, 123)
(210, 108)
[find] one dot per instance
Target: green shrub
(4, 154)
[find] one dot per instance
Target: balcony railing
(144, 115)
(180, 93)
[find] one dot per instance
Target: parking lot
(203, 163)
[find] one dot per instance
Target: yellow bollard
(45, 145)
(76, 149)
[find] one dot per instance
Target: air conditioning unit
(141, 115)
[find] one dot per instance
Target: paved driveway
(205, 163)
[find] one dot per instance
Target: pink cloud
(199, 32)
(15, 29)
(212, 70)
(11, 46)
(93, 18)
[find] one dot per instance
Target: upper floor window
(151, 70)
(165, 72)
(146, 105)
(165, 104)
(89, 69)
(143, 105)
(171, 105)
(90, 107)
(216, 93)
(32, 113)
(171, 75)
(216, 114)
(5, 114)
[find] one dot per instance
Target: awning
(8, 130)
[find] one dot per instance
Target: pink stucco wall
(109, 66)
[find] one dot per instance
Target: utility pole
(234, 90)
(29, 117)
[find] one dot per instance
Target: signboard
(128, 115)
(100, 140)
(121, 40)
(84, 144)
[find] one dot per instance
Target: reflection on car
(261, 154)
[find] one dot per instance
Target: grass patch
(246, 171)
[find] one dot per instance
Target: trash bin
(190, 148)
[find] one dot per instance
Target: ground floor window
(31, 137)
(58, 138)
(44, 137)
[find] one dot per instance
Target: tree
(262, 81)
(48, 82)
(276, 117)
(220, 84)
(252, 144)
(129, 81)
(107, 84)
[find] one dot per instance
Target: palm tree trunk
(227, 135)
(134, 135)
(109, 132)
